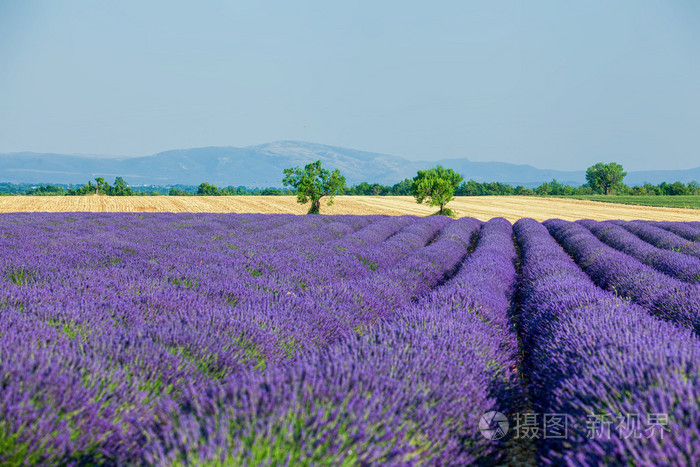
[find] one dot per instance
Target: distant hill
(262, 166)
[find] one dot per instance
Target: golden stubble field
(481, 207)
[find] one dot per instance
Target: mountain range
(262, 166)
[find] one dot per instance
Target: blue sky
(554, 84)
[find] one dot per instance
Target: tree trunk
(315, 206)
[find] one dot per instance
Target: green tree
(403, 188)
(522, 191)
(47, 190)
(313, 183)
(639, 191)
(544, 189)
(100, 183)
(175, 191)
(120, 188)
(677, 189)
(271, 192)
(470, 188)
(651, 190)
(362, 189)
(207, 189)
(605, 177)
(436, 187)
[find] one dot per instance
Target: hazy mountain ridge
(262, 166)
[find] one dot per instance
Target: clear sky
(556, 84)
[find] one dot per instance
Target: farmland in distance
(481, 207)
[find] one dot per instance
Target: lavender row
(156, 264)
(591, 355)
(331, 313)
(664, 296)
(29, 242)
(350, 256)
(128, 339)
(311, 231)
(661, 238)
(285, 320)
(408, 389)
(179, 315)
(683, 229)
(678, 265)
(81, 364)
(182, 314)
(320, 314)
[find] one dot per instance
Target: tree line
(438, 186)
(121, 188)
(600, 179)
(403, 188)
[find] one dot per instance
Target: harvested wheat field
(481, 207)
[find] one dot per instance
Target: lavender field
(229, 339)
